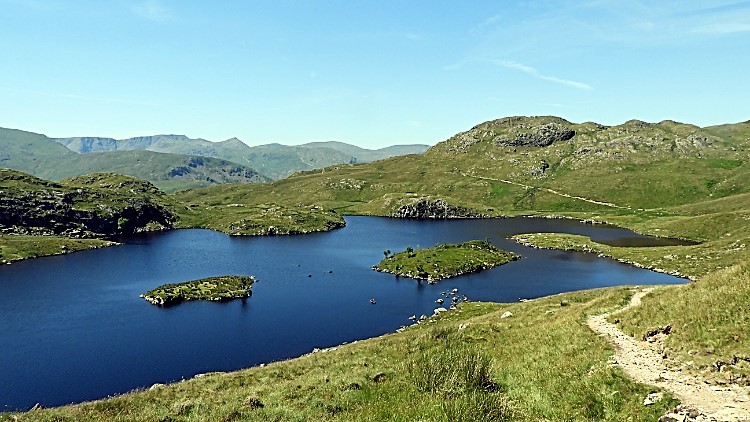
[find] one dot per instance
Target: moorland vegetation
(542, 363)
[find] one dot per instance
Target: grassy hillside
(279, 161)
(41, 156)
(711, 339)
(363, 155)
(542, 362)
(169, 172)
(273, 160)
(667, 179)
(30, 152)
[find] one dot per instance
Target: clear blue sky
(372, 73)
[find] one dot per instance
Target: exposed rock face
(514, 132)
(434, 208)
(535, 136)
(32, 206)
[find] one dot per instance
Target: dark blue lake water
(72, 327)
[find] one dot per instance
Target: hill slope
(363, 155)
(520, 164)
(667, 179)
(96, 205)
(41, 156)
(649, 177)
(273, 160)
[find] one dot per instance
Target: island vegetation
(211, 288)
(444, 261)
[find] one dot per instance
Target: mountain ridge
(274, 160)
(41, 156)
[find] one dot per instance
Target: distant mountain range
(275, 161)
(175, 162)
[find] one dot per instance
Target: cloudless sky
(371, 73)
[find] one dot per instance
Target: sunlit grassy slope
(667, 179)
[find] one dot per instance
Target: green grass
(212, 288)
(667, 259)
(491, 368)
(709, 320)
(101, 204)
(444, 261)
(18, 247)
(545, 364)
(261, 219)
(43, 157)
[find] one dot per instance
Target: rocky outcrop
(435, 208)
(535, 136)
(513, 132)
(108, 205)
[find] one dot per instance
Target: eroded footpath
(700, 400)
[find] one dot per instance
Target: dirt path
(700, 401)
(552, 191)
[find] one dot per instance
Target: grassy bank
(709, 323)
(418, 374)
(693, 261)
(18, 247)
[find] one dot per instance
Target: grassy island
(212, 288)
(445, 261)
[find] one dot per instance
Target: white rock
(506, 314)
(653, 398)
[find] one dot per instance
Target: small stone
(653, 398)
(253, 403)
(506, 314)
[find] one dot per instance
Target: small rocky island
(444, 261)
(212, 288)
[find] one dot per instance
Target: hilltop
(630, 173)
